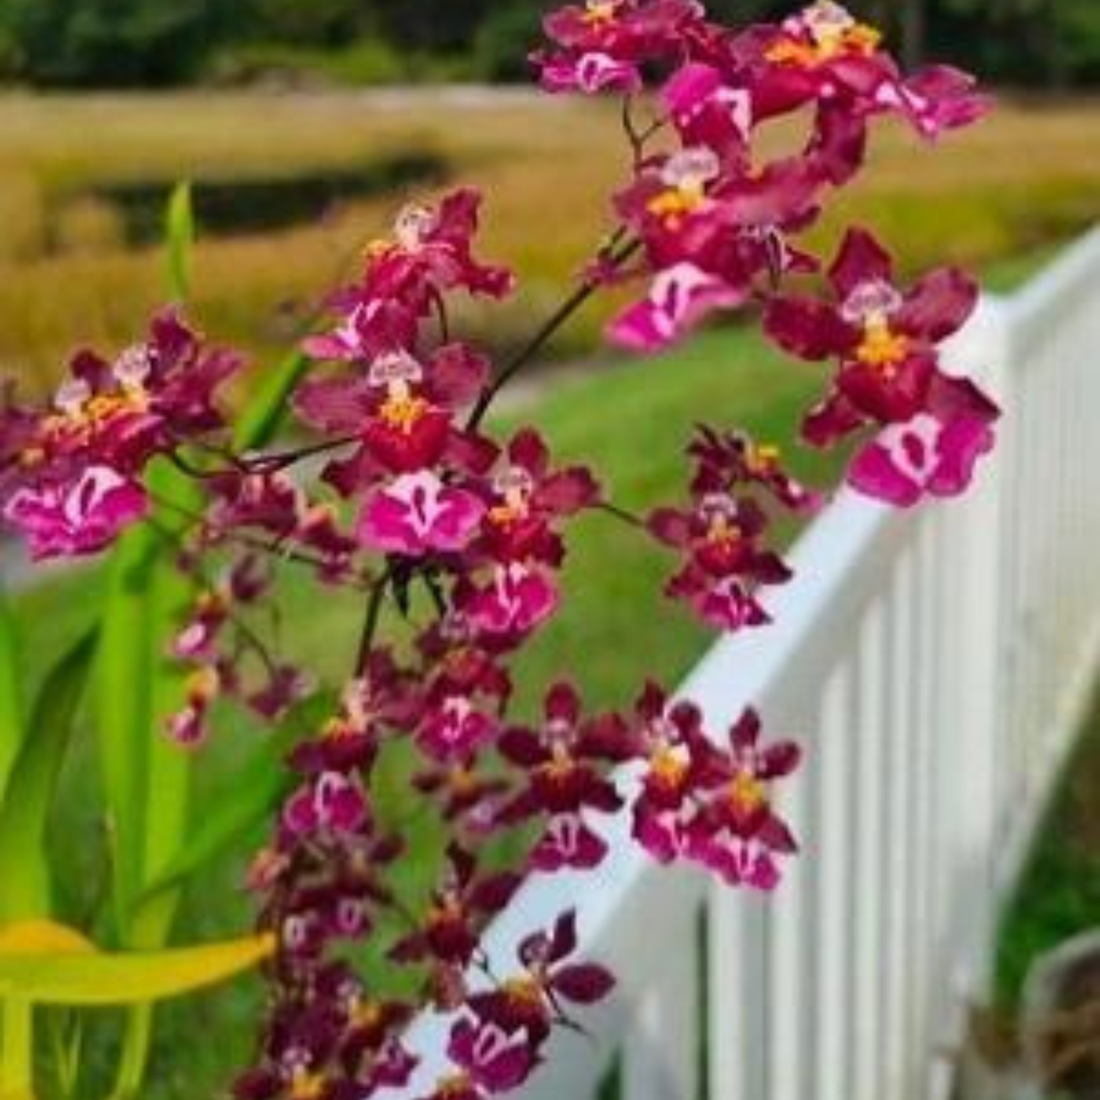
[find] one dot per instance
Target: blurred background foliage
(125, 43)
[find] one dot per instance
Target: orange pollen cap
(202, 685)
(723, 532)
(461, 780)
(403, 413)
(366, 1014)
(307, 1086)
(601, 11)
(673, 205)
(761, 458)
(457, 1084)
(668, 769)
(561, 766)
(523, 991)
(747, 793)
(881, 346)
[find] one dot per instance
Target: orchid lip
(413, 226)
(874, 299)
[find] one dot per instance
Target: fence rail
(938, 664)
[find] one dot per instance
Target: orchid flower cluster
(418, 505)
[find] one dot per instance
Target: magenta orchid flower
(933, 453)
(418, 514)
(77, 517)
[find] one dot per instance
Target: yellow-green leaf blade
(24, 813)
(12, 727)
(180, 237)
(128, 977)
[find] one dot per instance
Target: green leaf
(25, 881)
(264, 413)
(123, 712)
(16, 1049)
(127, 977)
(180, 239)
(248, 798)
(12, 726)
(167, 815)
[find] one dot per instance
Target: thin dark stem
(441, 317)
(252, 542)
(191, 471)
(636, 137)
(549, 327)
(371, 617)
(204, 583)
(618, 513)
(280, 460)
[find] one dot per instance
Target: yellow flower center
(723, 533)
(505, 515)
(202, 684)
(365, 1014)
(461, 781)
(668, 768)
(376, 249)
(212, 602)
(97, 410)
(761, 458)
(445, 912)
(402, 411)
(675, 204)
(881, 347)
(747, 793)
(523, 992)
(307, 1086)
(561, 766)
(601, 12)
(827, 44)
(457, 1084)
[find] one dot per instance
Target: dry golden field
(1028, 176)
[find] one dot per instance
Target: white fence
(936, 666)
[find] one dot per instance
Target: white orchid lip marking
(413, 226)
(871, 301)
(394, 367)
(691, 169)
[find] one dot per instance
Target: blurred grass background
(70, 270)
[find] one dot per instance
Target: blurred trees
(121, 42)
(139, 42)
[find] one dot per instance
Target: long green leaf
(124, 978)
(180, 237)
(12, 725)
(263, 415)
(167, 783)
(167, 815)
(246, 800)
(24, 867)
(123, 713)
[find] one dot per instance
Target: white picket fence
(936, 666)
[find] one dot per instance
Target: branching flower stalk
(420, 504)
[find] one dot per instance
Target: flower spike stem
(553, 323)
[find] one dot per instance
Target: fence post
(972, 631)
